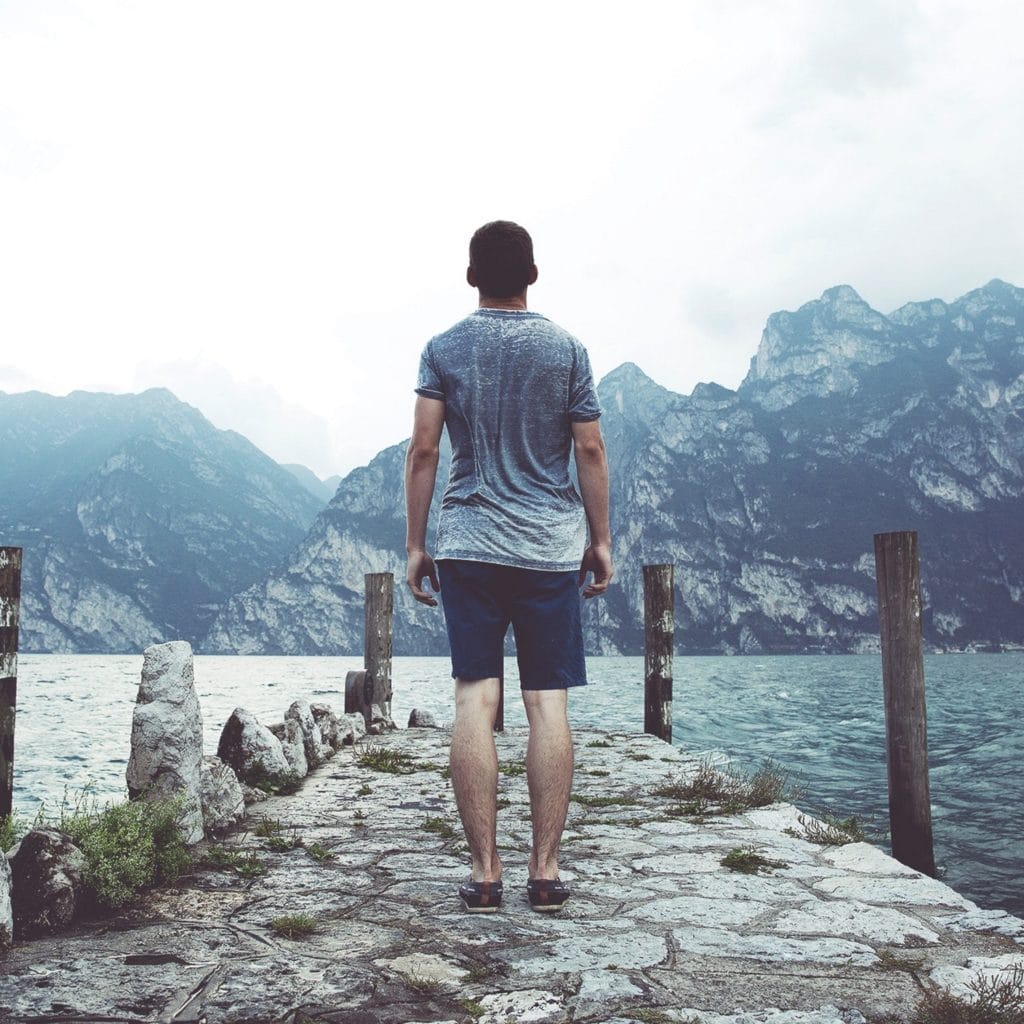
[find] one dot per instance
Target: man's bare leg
(474, 764)
(548, 775)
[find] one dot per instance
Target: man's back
(513, 383)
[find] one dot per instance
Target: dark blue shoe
(547, 895)
(481, 897)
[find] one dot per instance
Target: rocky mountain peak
(630, 392)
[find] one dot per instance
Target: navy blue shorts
(480, 599)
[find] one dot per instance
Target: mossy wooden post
(659, 633)
(906, 728)
(10, 602)
(377, 636)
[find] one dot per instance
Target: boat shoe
(480, 897)
(547, 895)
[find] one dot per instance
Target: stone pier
(657, 930)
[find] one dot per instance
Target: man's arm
(420, 474)
(592, 469)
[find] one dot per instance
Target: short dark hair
(501, 258)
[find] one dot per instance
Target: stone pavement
(657, 930)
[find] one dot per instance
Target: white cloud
(286, 192)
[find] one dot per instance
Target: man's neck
(514, 302)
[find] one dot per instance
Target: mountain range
(149, 523)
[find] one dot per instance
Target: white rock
(528, 1005)
(6, 914)
(294, 747)
(918, 890)
(222, 797)
(958, 980)
(998, 922)
(358, 726)
(425, 966)
(772, 948)
(314, 747)
(599, 988)
(878, 925)
(867, 859)
(251, 749)
(331, 729)
(167, 735)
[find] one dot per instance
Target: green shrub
(294, 926)
(712, 790)
(12, 828)
(127, 846)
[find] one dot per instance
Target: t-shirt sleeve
(583, 402)
(428, 380)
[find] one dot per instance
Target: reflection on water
(820, 717)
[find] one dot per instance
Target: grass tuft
(599, 743)
(12, 828)
(712, 790)
(890, 961)
(245, 865)
(383, 759)
(472, 1007)
(829, 831)
(294, 926)
(602, 801)
(512, 768)
(319, 852)
(748, 861)
(439, 826)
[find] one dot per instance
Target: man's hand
(422, 565)
(598, 560)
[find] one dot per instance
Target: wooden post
(377, 638)
(10, 603)
(906, 728)
(659, 632)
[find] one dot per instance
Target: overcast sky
(266, 206)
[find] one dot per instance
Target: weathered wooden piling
(906, 729)
(659, 634)
(369, 692)
(10, 605)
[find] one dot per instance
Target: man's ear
(533, 274)
(471, 278)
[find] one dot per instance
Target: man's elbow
(422, 455)
(590, 450)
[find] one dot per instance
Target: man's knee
(477, 696)
(546, 705)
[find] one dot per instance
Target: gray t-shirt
(512, 383)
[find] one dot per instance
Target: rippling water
(821, 717)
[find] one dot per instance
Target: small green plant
(650, 1015)
(995, 999)
(12, 828)
(423, 982)
(266, 827)
(716, 791)
(829, 831)
(598, 771)
(439, 826)
(640, 757)
(128, 846)
(512, 768)
(294, 926)
(281, 843)
(890, 961)
(319, 852)
(364, 790)
(599, 743)
(601, 801)
(383, 759)
(245, 865)
(472, 1007)
(748, 861)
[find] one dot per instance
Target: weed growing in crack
(294, 926)
(748, 861)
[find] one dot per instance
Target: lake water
(820, 717)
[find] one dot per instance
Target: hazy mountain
(765, 498)
(322, 490)
(137, 516)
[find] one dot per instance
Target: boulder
(252, 750)
(422, 720)
(167, 735)
(294, 747)
(358, 726)
(6, 912)
(48, 886)
(316, 750)
(223, 800)
(331, 727)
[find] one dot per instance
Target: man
(517, 395)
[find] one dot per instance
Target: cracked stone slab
(916, 890)
(589, 951)
(526, 1006)
(826, 1015)
(958, 980)
(878, 925)
(772, 948)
